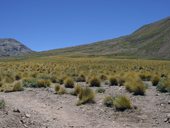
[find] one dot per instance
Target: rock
(167, 119)
(22, 121)
(27, 115)
(162, 105)
(168, 115)
(135, 107)
(16, 110)
(169, 102)
(25, 126)
(157, 94)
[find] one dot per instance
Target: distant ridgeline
(150, 41)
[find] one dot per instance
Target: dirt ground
(41, 108)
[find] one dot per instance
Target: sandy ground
(41, 108)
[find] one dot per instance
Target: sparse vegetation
(100, 90)
(81, 78)
(57, 88)
(60, 90)
(108, 101)
(122, 103)
(43, 83)
(2, 104)
(86, 95)
(164, 85)
(155, 80)
(18, 87)
(94, 82)
(136, 86)
(69, 83)
(113, 81)
(29, 82)
(77, 89)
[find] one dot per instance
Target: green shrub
(87, 95)
(43, 83)
(29, 82)
(2, 104)
(121, 103)
(69, 83)
(164, 85)
(18, 87)
(113, 81)
(100, 90)
(108, 101)
(94, 82)
(155, 80)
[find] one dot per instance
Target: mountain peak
(12, 47)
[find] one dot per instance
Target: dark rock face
(12, 47)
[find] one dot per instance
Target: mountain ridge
(12, 47)
(151, 40)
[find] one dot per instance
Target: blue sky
(50, 24)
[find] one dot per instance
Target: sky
(52, 24)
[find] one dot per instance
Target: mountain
(150, 41)
(12, 47)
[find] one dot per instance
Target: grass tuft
(86, 95)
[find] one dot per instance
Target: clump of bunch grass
(29, 82)
(57, 88)
(69, 83)
(18, 87)
(94, 82)
(155, 80)
(122, 103)
(100, 90)
(120, 80)
(1, 84)
(86, 95)
(113, 81)
(77, 89)
(145, 76)
(103, 77)
(53, 79)
(60, 90)
(136, 86)
(81, 78)
(9, 79)
(43, 83)
(18, 76)
(108, 101)
(164, 85)
(2, 103)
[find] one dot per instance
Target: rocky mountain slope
(12, 47)
(151, 41)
